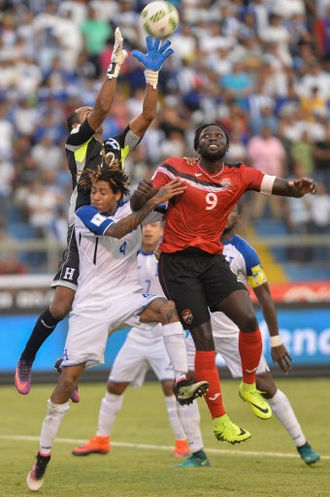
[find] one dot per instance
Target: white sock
(190, 419)
(173, 415)
(173, 335)
(285, 414)
(110, 407)
(55, 414)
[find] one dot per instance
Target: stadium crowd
(261, 68)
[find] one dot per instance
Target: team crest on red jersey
(225, 183)
(187, 316)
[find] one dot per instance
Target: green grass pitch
(265, 466)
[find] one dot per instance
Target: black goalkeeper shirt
(84, 151)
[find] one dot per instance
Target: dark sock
(43, 328)
(200, 454)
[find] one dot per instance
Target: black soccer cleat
(34, 478)
(186, 391)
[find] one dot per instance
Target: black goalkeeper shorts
(197, 282)
(68, 271)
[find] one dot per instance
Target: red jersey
(198, 217)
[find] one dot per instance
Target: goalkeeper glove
(118, 56)
(153, 59)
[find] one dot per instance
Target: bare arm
(296, 188)
(106, 94)
(130, 222)
(279, 352)
(141, 123)
(103, 103)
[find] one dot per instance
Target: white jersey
(147, 274)
(244, 262)
(109, 296)
(108, 266)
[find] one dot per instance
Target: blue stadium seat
(307, 272)
(21, 231)
(13, 215)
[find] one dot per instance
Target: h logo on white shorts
(69, 272)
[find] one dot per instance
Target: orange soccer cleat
(96, 445)
(181, 448)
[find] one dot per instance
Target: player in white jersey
(109, 297)
(245, 263)
(142, 349)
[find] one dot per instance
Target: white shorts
(228, 348)
(88, 331)
(135, 358)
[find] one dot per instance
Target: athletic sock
(173, 336)
(250, 348)
(55, 414)
(43, 328)
(206, 369)
(190, 419)
(110, 407)
(285, 414)
(173, 416)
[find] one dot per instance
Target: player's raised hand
(302, 186)
(118, 53)
(156, 53)
(145, 189)
(118, 56)
(171, 189)
(282, 357)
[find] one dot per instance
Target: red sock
(250, 348)
(206, 369)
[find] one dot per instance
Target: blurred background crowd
(261, 68)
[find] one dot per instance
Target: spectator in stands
(46, 154)
(314, 104)
(6, 131)
(7, 173)
(184, 42)
(302, 154)
(96, 32)
(322, 35)
(237, 150)
(297, 218)
(277, 33)
(46, 42)
(319, 223)
(41, 204)
(265, 119)
(267, 154)
(322, 158)
(238, 85)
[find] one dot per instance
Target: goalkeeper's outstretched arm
(107, 91)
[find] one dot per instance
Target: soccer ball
(159, 19)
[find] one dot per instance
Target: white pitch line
(74, 441)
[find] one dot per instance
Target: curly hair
(204, 126)
(110, 172)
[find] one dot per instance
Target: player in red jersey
(192, 270)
